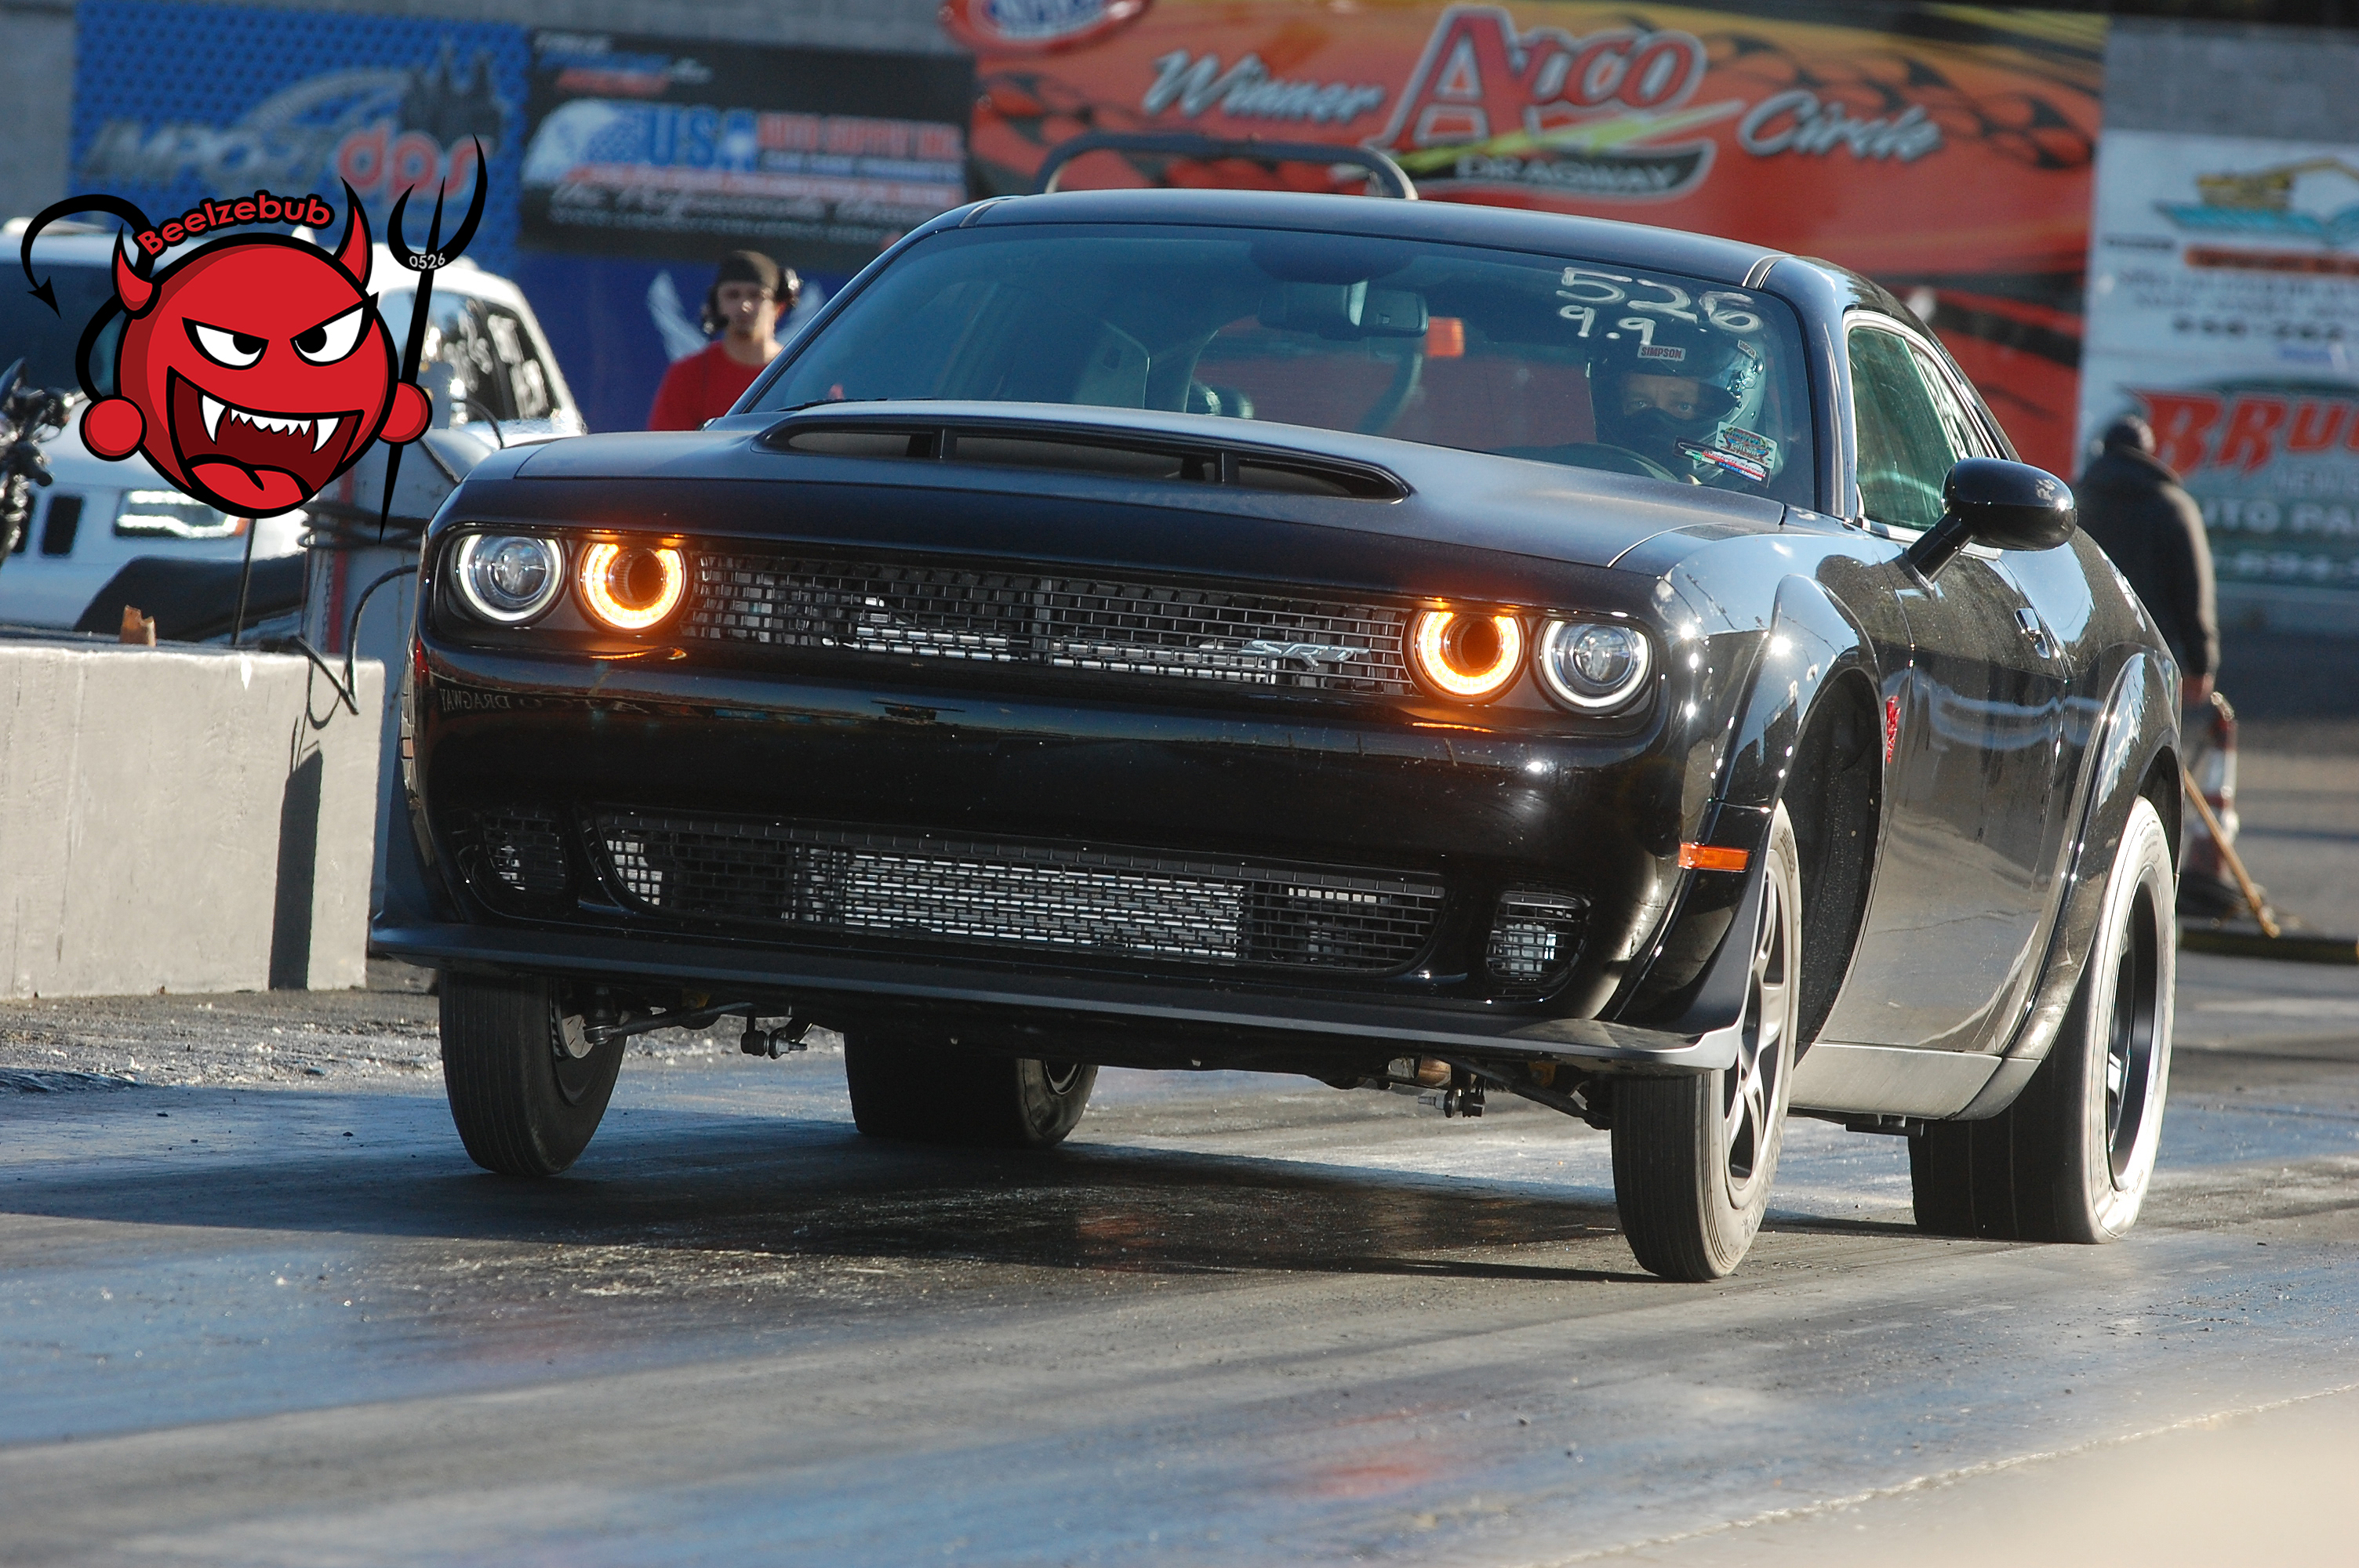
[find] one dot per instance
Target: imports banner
(174, 103)
(664, 149)
(1946, 151)
(2223, 304)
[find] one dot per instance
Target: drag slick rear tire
(1693, 1157)
(525, 1089)
(2070, 1160)
(928, 1093)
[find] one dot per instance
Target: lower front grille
(518, 851)
(1025, 894)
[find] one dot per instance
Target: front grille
(1024, 894)
(1535, 936)
(519, 851)
(1082, 624)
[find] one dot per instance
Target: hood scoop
(1083, 449)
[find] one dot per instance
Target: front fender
(1694, 978)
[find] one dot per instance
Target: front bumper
(1145, 1022)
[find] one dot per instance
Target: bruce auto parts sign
(2225, 307)
(1856, 140)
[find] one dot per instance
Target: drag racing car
(1414, 645)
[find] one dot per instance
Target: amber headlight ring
(631, 588)
(1467, 655)
(1592, 664)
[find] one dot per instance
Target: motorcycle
(28, 415)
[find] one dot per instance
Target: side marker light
(1704, 858)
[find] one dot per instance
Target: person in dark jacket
(2134, 507)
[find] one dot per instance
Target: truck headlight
(1593, 666)
(509, 578)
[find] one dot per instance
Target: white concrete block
(186, 819)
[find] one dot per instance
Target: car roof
(1550, 234)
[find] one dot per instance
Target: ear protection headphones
(790, 289)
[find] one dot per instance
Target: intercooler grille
(1082, 624)
(520, 852)
(1033, 895)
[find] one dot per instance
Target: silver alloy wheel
(1750, 1087)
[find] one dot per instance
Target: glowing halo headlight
(1593, 666)
(508, 578)
(1465, 653)
(632, 587)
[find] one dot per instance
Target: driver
(1677, 396)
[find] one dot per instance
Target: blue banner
(176, 102)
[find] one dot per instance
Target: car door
(1956, 913)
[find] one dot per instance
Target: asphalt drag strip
(254, 1315)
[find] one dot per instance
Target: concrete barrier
(184, 818)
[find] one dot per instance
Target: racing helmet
(1695, 383)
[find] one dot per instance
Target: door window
(1906, 444)
(1965, 436)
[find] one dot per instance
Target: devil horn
(134, 289)
(352, 253)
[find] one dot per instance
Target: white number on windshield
(1675, 306)
(1716, 310)
(1586, 285)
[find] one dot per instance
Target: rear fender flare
(2138, 730)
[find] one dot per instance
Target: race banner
(2224, 307)
(1945, 151)
(664, 149)
(176, 104)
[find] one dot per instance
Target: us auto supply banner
(1935, 147)
(2224, 306)
(663, 147)
(174, 103)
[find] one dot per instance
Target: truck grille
(1082, 624)
(998, 893)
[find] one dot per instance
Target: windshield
(1550, 358)
(47, 342)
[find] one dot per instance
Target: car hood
(1472, 499)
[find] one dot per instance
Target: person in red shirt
(748, 296)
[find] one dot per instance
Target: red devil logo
(254, 369)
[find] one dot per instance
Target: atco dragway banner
(667, 148)
(2223, 304)
(1935, 147)
(174, 103)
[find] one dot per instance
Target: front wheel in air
(929, 1094)
(1693, 1157)
(2070, 1159)
(526, 1089)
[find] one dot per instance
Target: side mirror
(2007, 506)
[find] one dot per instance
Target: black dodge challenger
(1414, 645)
